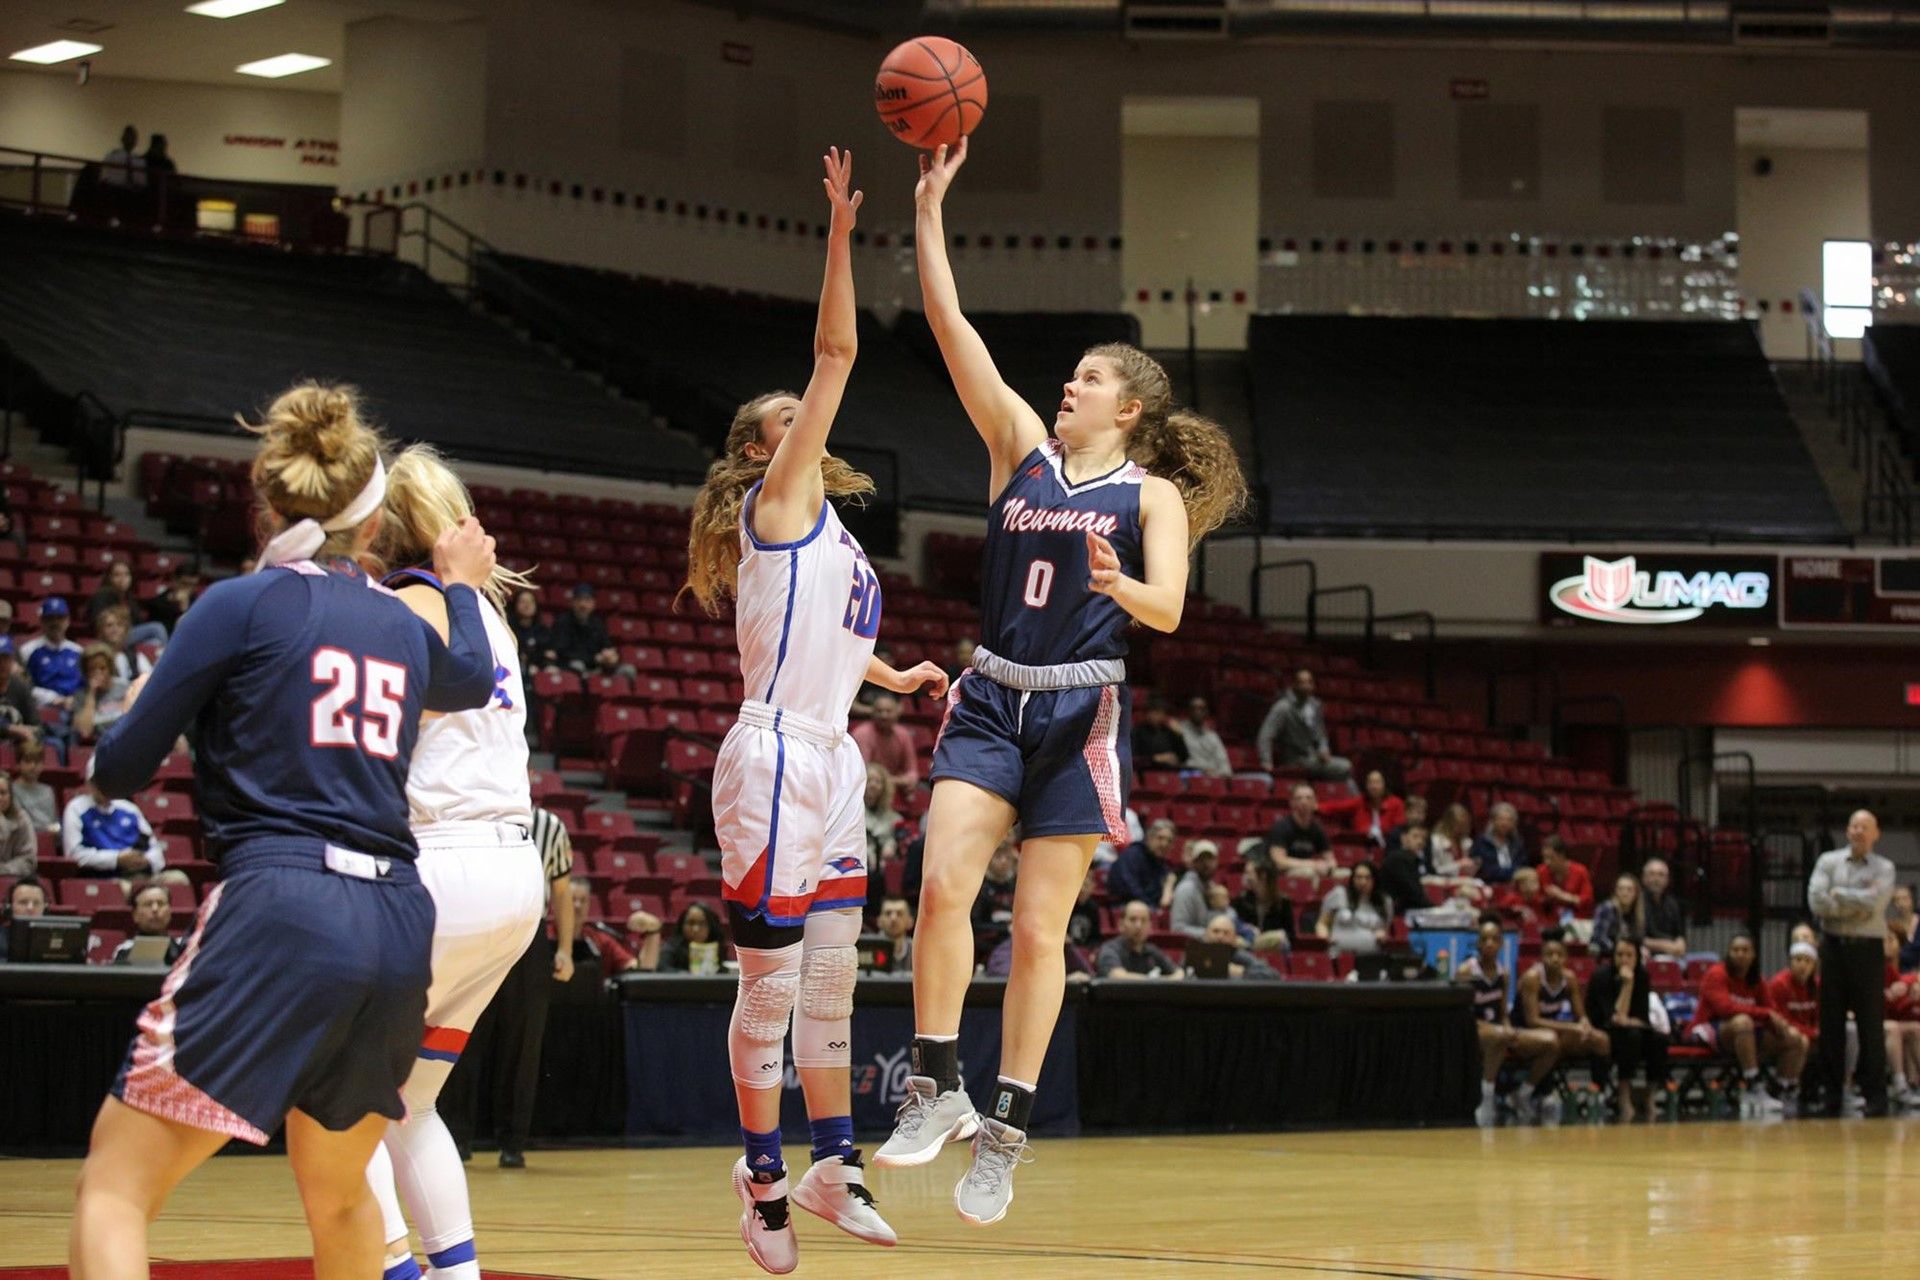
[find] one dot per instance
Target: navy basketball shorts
(300, 987)
(1063, 758)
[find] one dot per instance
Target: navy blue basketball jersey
(301, 689)
(1035, 606)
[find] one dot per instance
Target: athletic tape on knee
(769, 983)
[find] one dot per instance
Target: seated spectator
(1130, 956)
(993, 906)
(1448, 854)
(170, 605)
(956, 666)
(1220, 898)
(1294, 734)
(1551, 1000)
(1297, 845)
(1499, 1038)
(1224, 929)
(895, 924)
(1355, 917)
(53, 660)
(1501, 850)
(152, 918)
(695, 944)
(1666, 915)
(1083, 926)
(102, 698)
(1156, 743)
(597, 942)
(1206, 753)
(1190, 914)
(579, 641)
(110, 629)
(116, 592)
(1735, 1017)
(535, 640)
(884, 741)
(1795, 990)
(18, 714)
(1143, 870)
(1902, 1029)
(1415, 815)
(1903, 921)
(1566, 883)
(883, 824)
(1264, 906)
(1623, 915)
(35, 798)
(1379, 811)
(1523, 901)
(1400, 869)
(26, 900)
(1000, 962)
(1620, 999)
(111, 838)
(19, 850)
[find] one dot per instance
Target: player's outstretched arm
(1007, 423)
(790, 497)
(1158, 601)
(925, 676)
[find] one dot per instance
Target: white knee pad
(769, 981)
(823, 1033)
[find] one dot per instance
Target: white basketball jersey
(471, 766)
(806, 616)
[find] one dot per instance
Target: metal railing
(1257, 576)
(1707, 817)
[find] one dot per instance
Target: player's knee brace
(769, 982)
(823, 1033)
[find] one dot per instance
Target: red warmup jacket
(1801, 1005)
(1393, 813)
(1721, 997)
(1579, 884)
(1907, 1008)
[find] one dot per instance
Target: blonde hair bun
(316, 451)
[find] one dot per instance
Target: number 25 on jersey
(382, 696)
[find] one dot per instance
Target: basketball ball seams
(933, 53)
(922, 98)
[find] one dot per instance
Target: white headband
(300, 540)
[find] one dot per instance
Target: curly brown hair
(1180, 445)
(713, 546)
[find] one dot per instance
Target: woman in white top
(1355, 916)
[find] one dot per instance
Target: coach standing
(1849, 893)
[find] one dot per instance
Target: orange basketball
(930, 92)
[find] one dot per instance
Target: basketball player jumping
(1088, 532)
(789, 785)
(471, 809)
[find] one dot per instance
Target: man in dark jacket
(1144, 872)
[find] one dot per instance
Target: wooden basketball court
(1698, 1200)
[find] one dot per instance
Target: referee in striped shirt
(516, 1021)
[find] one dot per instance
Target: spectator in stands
(884, 741)
(1379, 811)
(1414, 815)
(1143, 871)
(1550, 999)
(1223, 929)
(895, 924)
(1294, 734)
(1624, 915)
(1206, 753)
(1567, 883)
(1620, 998)
(158, 163)
(1130, 956)
(1903, 921)
(18, 715)
(535, 640)
(173, 602)
(883, 823)
(52, 659)
(1400, 870)
(956, 666)
(1903, 1028)
(27, 899)
(1735, 1017)
(112, 838)
(19, 850)
(35, 798)
(1264, 906)
(599, 943)
(110, 629)
(1795, 990)
(1666, 915)
(116, 592)
(1297, 844)
(1219, 899)
(1499, 1038)
(1501, 850)
(694, 946)
(993, 906)
(1190, 911)
(1156, 743)
(102, 698)
(1083, 925)
(152, 918)
(1452, 837)
(579, 641)
(123, 166)
(1848, 894)
(1522, 900)
(1355, 917)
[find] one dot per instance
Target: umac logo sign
(1621, 591)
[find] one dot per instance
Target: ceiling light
(59, 51)
(287, 64)
(230, 8)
